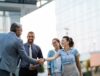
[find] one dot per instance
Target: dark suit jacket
(36, 53)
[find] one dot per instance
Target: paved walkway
(43, 74)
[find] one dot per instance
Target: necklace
(68, 51)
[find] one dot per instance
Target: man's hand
(31, 67)
(41, 61)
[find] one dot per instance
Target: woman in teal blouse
(54, 67)
(69, 58)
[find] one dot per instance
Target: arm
(22, 53)
(78, 65)
(39, 55)
(52, 58)
(49, 64)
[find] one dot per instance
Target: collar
(13, 33)
(27, 44)
(69, 49)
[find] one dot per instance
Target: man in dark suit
(33, 51)
(11, 50)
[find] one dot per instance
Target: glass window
(14, 1)
(1, 23)
(6, 18)
(1, 13)
(2, 0)
(30, 1)
(20, 1)
(11, 17)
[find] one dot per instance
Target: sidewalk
(43, 74)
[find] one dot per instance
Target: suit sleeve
(40, 55)
(22, 53)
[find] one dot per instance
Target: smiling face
(56, 43)
(31, 37)
(64, 42)
(67, 42)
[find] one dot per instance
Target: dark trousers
(4, 73)
(27, 72)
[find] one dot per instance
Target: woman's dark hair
(58, 42)
(71, 42)
(14, 26)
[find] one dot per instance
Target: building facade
(79, 19)
(12, 10)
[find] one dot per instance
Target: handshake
(41, 61)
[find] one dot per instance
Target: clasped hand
(40, 61)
